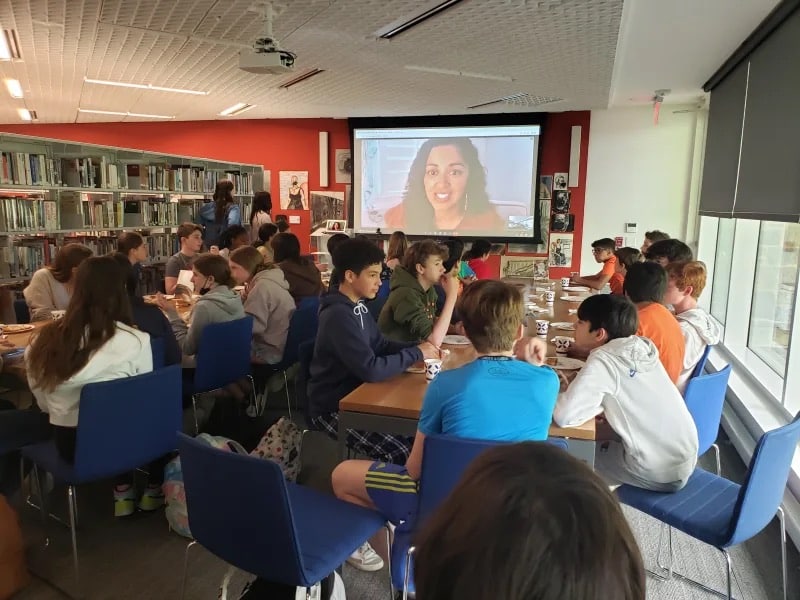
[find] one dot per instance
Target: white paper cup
(550, 296)
(542, 325)
(57, 314)
(565, 281)
(432, 368)
(562, 343)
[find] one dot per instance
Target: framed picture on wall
(560, 181)
(561, 201)
(545, 187)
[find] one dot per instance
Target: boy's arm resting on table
(595, 282)
(583, 399)
(362, 362)
(386, 346)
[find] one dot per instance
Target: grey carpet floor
(137, 557)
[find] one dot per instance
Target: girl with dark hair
(232, 238)
(300, 271)
(50, 288)
(476, 258)
(260, 213)
(446, 189)
(94, 341)
(222, 212)
(265, 234)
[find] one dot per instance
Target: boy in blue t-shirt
(494, 397)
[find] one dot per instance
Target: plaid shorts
(379, 446)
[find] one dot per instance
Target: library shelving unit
(54, 191)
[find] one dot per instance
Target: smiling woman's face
(446, 176)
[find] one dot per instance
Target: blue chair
(700, 367)
(444, 461)
(705, 397)
(721, 513)
(21, 311)
(302, 328)
(157, 348)
(223, 358)
(305, 354)
(274, 529)
(122, 425)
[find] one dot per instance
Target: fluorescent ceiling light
(458, 73)
(236, 109)
(124, 114)
(9, 44)
(14, 88)
(143, 86)
(405, 23)
(26, 115)
(302, 77)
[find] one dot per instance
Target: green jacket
(409, 312)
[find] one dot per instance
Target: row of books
(22, 213)
(21, 168)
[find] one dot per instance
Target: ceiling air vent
(520, 99)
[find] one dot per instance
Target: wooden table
(393, 406)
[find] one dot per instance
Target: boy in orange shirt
(603, 251)
(626, 257)
(645, 284)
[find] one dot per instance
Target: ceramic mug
(57, 314)
(432, 368)
(550, 296)
(542, 325)
(562, 343)
(565, 281)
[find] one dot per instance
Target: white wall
(642, 173)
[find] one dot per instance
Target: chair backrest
(21, 311)
(302, 327)
(762, 491)
(705, 397)
(157, 348)
(701, 364)
(223, 354)
(257, 532)
(443, 463)
(126, 423)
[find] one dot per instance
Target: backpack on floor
(174, 492)
(281, 444)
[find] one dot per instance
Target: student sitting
(350, 350)
(232, 238)
(217, 303)
(300, 271)
(190, 238)
(267, 299)
(331, 244)
(645, 284)
(494, 397)
(52, 286)
(625, 258)
(265, 233)
(657, 443)
(282, 221)
(476, 258)
(686, 281)
(94, 341)
(651, 237)
(667, 251)
(132, 245)
(514, 527)
(410, 311)
(603, 252)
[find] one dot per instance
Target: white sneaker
(365, 559)
(316, 591)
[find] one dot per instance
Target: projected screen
(475, 181)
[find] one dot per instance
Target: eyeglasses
(598, 250)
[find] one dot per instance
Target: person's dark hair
(645, 282)
(282, 221)
(673, 250)
(265, 233)
(527, 521)
(417, 207)
(223, 196)
(398, 244)
(479, 248)
(285, 246)
(604, 244)
(335, 241)
(213, 265)
(187, 229)
(99, 300)
(628, 256)
(68, 257)
(129, 240)
(419, 252)
(355, 255)
(616, 314)
(262, 202)
(231, 233)
(656, 236)
(128, 274)
(455, 248)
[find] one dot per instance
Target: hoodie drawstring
(360, 310)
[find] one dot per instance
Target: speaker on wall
(575, 157)
(323, 159)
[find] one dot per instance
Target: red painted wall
(293, 145)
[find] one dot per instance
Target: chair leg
(716, 455)
(73, 518)
(288, 400)
(389, 558)
(728, 570)
(782, 520)
(407, 573)
(194, 412)
(42, 501)
(185, 567)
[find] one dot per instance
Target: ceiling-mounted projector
(266, 57)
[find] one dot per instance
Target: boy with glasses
(603, 252)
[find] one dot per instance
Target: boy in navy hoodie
(350, 350)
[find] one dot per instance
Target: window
(774, 293)
(722, 269)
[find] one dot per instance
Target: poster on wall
(560, 181)
(294, 190)
(544, 225)
(560, 250)
(545, 187)
(523, 266)
(344, 166)
(326, 206)
(561, 201)
(563, 223)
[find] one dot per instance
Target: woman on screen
(446, 190)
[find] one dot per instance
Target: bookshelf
(53, 192)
